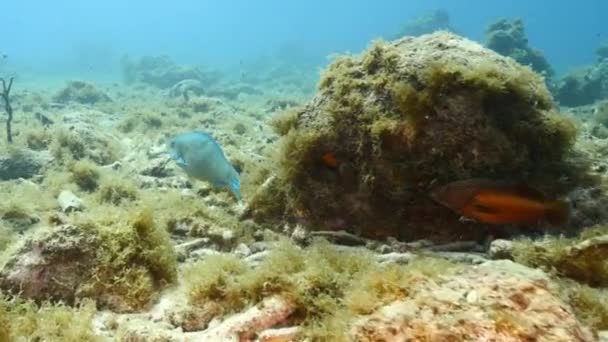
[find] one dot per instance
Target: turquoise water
(88, 37)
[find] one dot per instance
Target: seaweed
(134, 262)
(26, 320)
(85, 174)
(328, 286)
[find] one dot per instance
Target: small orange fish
(495, 202)
(329, 159)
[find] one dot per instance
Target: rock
(68, 202)
(157, 168)
(81, 92)
(427, 23)
(389, 125)
(495, 301)
(508, 38)
(162, 72)
(69, 263)
(186, 87)
(584, 85)
(244, 326)
(501, 249)
(195, 319)
(52, 266)
(279, 335)
(87, 135)
(23, 164)
(242, 250)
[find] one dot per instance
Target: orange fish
(495, 202)
(329, 159)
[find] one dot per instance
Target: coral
(120, 262)
(404, 116)
(508, 38)
(81, 92)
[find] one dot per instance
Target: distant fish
(496, 202)
(330, 160)
(201, 157)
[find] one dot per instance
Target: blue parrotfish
(202, 158)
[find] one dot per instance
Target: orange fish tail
(558, 213)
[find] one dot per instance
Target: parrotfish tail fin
(558, 213)
(235, 186)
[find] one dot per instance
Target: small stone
(300, 234)
(69, 202)
(501, 249)
(385, 249)
(472, 297)
(228, 235)
(242, 250)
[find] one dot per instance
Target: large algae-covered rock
(389, 125)
(81, 92)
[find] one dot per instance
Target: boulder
(388, 126)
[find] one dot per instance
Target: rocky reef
(162, 72)
(508, 38)
(584, 85)
(429, 22)
(388, 125)
(81, 92)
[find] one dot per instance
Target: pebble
(68, 202)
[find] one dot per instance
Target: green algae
(22, 320)
(395, 130)
(557, 254)
(328, 286)
(582, 276)
(134, 261)
(85, 174)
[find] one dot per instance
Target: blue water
(88, 37)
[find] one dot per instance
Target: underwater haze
(70, 36)
(276, 170)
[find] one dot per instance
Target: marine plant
(581, 265)
(328, 286)
(22, 320)
(135, 259)
(85, 174)
(6, 90)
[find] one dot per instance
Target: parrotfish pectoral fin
(235, 186)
